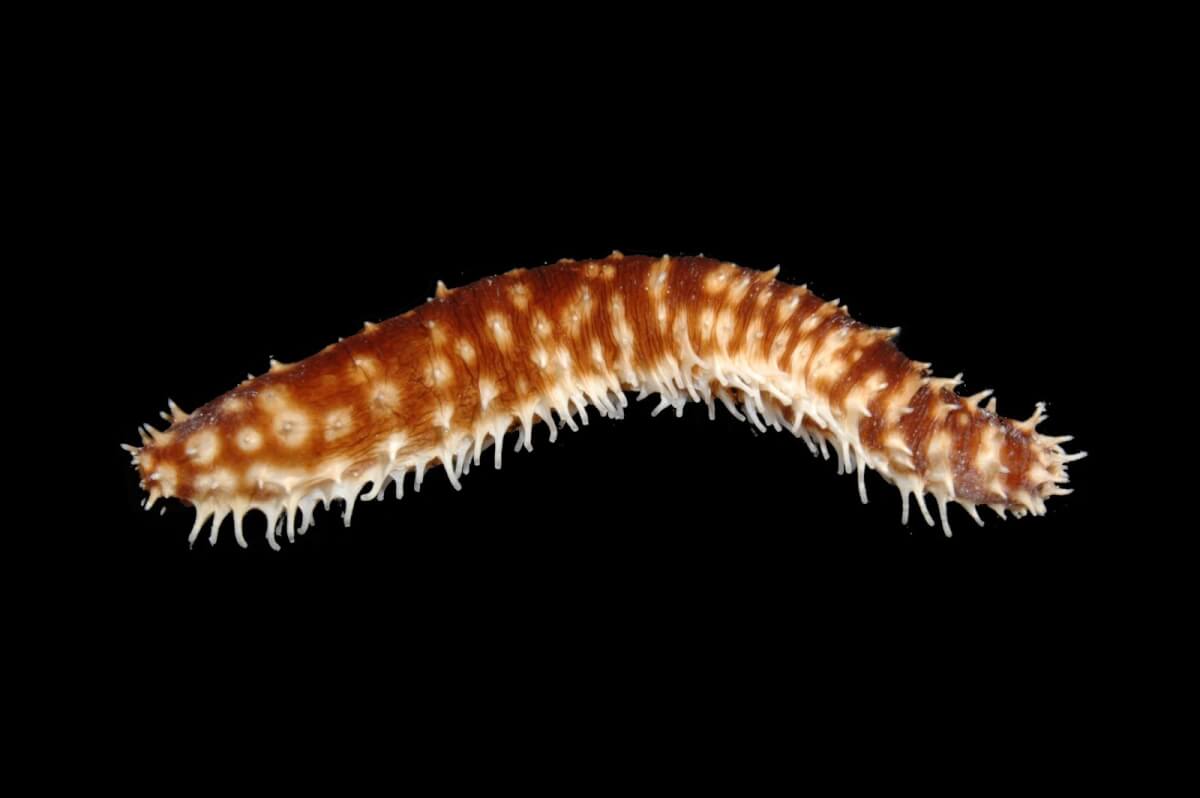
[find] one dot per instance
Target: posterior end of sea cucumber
(973, 457)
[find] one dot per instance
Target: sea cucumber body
(440, 384)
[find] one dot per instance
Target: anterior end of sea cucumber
(437, 386)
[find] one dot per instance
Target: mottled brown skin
(404, 353)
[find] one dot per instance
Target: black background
(659, 594)
(263, 209)
(247, 232)
(670, 489)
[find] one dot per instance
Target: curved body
(435, 387)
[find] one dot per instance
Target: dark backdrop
(656, 581)
(237, 221)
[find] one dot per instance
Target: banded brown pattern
(437, 386)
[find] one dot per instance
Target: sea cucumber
(441, 383)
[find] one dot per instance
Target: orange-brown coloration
(427, 387)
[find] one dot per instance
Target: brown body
(412, 391)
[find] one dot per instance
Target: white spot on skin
(789, 305)
(436, 333)
(498, 328)
(828, 362)
(487, 392)
(202, 448)
(810, 324)
(466, 351)
(439, 373)
(291, 427)
(987, 456)
(938, 448)
(657, 278)
(572, 322)
(724, 328)
(338, 423)
(801, 355)
(575, 312)
(233, 405)
(598, 354)
(519, 294)
(272, 399)
(620, 327)
(385, 397)
(738, 290)
(717, 280)
(755, 332)
(249, 439)
(541, 325)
